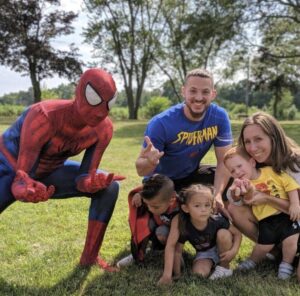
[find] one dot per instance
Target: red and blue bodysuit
(34, 154)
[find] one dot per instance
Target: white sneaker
(270, 257)
(285, 271)
(126, 261)
(221, 272)
(246, 265)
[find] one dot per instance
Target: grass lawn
(40, 244)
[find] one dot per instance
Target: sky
(11, 81)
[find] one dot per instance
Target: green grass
(40, 244)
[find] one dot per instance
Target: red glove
(26, 189)
(94, 182)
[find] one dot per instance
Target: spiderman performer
(34, 154)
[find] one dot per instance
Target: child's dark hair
(157, 184)
(185, 196)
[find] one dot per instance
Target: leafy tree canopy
(27, 28)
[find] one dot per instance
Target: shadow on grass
(142, 280)
(131, 280)
(69, 285)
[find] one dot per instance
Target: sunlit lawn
(40, 244)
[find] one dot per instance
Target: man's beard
(196, 115)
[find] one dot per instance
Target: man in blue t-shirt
(177, 139)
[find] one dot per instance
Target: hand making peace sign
(150, 153)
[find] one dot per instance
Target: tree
(273, 46)
(65, 91)
(125, 35)
(24, 98)
(278, 59)
(27, 28)
(195, 32)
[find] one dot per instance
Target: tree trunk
(275, 107)
(36, 91)
(276, 101)
(132, 113)
(35, 84)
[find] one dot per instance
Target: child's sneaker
(126, 261)
(246, 265)
(270, 257)
(285, 271)
(220, 272)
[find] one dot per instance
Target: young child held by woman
(274, 227)
(216, 241)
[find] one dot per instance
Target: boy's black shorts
(276, 228)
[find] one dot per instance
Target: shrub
(156, 105)
(11, 110)
(291, 112)
(119, 113)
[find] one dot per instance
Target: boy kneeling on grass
(215, 240)
(151, 209)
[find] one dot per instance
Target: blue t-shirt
(186, 142)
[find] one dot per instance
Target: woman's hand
(257, 198)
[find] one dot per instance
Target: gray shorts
(211, 254)
(162, 230)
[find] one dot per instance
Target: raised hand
(249, 190)
(150, 153)
(26, 189)
(241, 188)
(236, 190)
(96, 181)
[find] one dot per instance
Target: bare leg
(202, 267)
(259, 252)
(244, 220)
(289, 248)
(224, 243)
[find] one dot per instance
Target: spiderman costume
(34, 154)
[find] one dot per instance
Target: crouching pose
(34, 154)
(215, 240)
(151, 210)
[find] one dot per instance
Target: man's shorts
(203, 175)
(211, 254)
(276, 228)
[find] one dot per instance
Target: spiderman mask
(95, 94)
